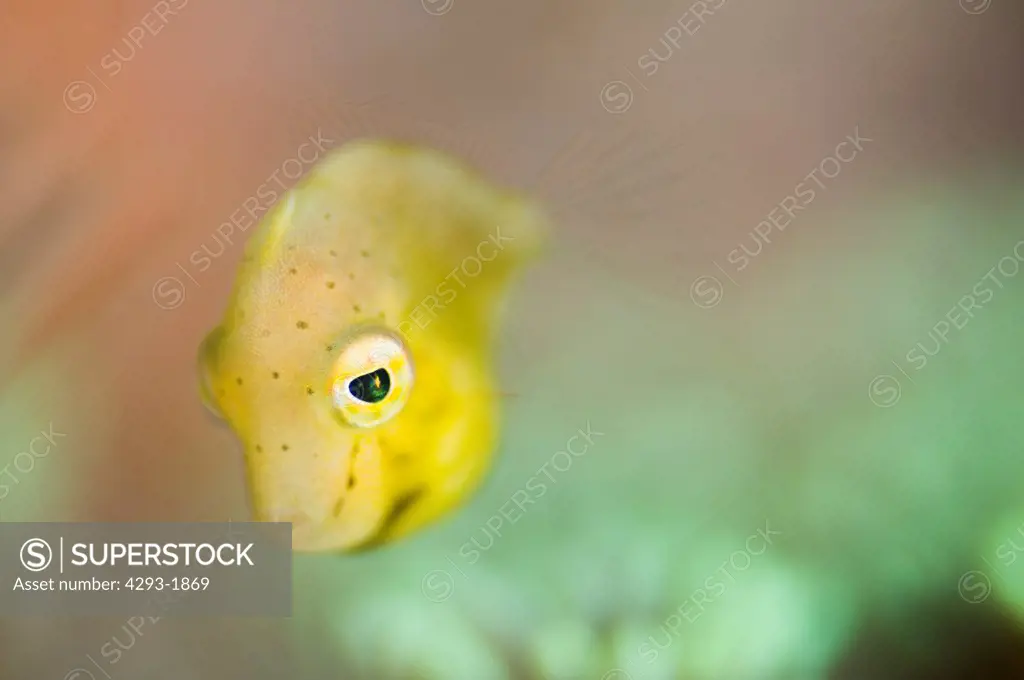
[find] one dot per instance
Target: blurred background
(782, 296)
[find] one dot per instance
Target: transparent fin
(206, 364)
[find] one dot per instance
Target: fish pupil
(371, 387)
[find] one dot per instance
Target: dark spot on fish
(351, 477)
(364, 253)
(291, 248)
(264, 333)
(399, 508)
(327, 216)
(259, 449)
(356, 309)
(301, 324)
(351, 276)
(284, 447)
(334, 253)
(309, 390)
(238, 380)
(330, 284)
(330, 348)
(380, 315)
(293, 270)
(275, 375)
(338, 506)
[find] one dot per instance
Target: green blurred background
(808, 467)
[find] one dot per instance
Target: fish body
(354, 361)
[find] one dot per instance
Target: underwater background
(783, 303)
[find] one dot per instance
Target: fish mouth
(316, 519)
(325, 512)
(317, 535)
(307, 534)
(327, 487)
(312, 535)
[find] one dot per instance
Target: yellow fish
(354, 360)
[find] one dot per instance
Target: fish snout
(304, 527)
(316, 496)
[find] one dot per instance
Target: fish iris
(371, 387)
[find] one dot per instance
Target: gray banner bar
(159, 569)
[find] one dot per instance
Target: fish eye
(371, 387)
(371, 378)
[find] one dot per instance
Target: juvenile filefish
(354, 360)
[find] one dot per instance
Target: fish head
(354, 361)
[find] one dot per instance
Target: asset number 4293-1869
(160, 583)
